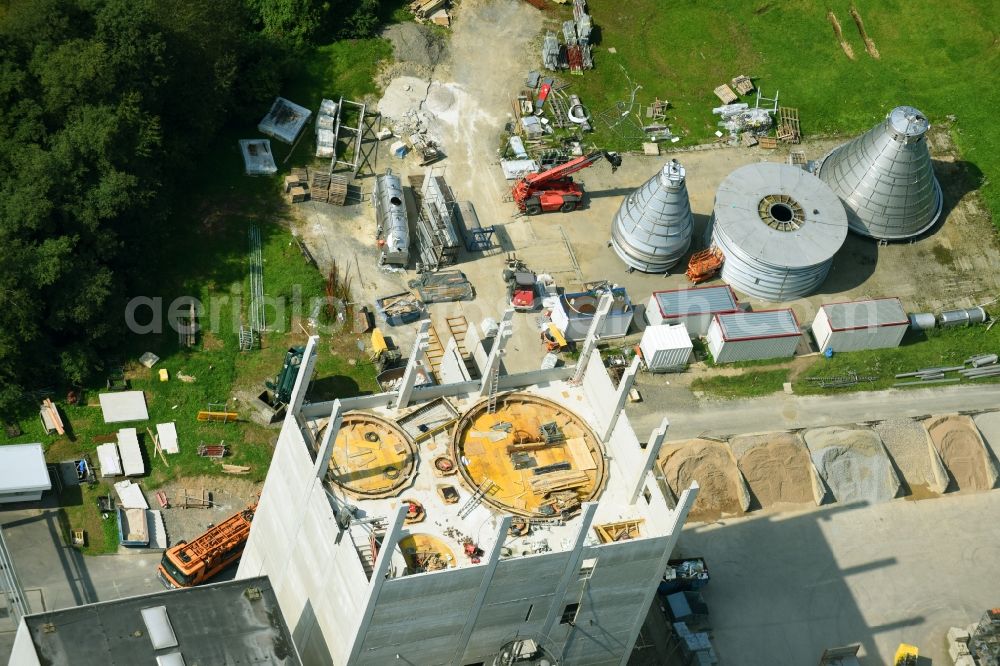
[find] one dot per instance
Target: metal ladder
(246, 339)
(484, 487)
(491, 406)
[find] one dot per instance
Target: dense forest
(104, 107)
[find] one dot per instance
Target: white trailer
(856, 325)
(749, 336)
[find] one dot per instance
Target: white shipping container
(857, 325)
(694, 307)
(749, 336)
(666, 348)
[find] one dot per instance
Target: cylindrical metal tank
(922, 321)
(652, 229)
(778, 227)
(390, 215)
(975, 315)
(885, 178)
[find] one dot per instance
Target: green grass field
(939, 57)
(750, 384)
(931, 349)
(205, 254)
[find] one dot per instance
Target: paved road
(786, 586)
(55, 576)
(780, 411)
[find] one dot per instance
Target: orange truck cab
(187, 564)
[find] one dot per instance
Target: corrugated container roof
(756, 325)
(666, 336)
(700, 300)
(865, 314)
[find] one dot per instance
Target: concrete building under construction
(512, 519)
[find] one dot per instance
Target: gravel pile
(775, 466)
(853, 464)
(712, 466)
(910, 448)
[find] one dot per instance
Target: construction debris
(397, 309)
(443, 287)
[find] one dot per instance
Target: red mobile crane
(554, 189)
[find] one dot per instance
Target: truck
(188, 564)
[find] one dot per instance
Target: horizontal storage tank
(573, 313)
(886, 179)
(922, 321)
(749, 336)
(393, 227)
(856, 325)
(778, 227)
(692, 307)
(666, 348)
(975, 315)
(652, 229)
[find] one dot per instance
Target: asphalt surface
(785, 587)
(55, 576)
(782, 412)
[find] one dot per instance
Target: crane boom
(571, 167)
(554, 189)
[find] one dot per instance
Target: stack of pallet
(320, 187)
(788, 125)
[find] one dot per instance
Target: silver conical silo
(885, 178)
(652, 229)
(778, 227)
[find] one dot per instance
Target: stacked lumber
(623, 531)
(519, 447)
(567, 480)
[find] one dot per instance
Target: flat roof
(758, 325)
(696, 300)
(852, 315)
(22, 468)
(236, 622)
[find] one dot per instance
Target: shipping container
(666, 348)
(748, 336)
(856, 325)
(693, 307)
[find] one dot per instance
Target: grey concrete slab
(784, 587)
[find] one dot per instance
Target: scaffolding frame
(362, 140)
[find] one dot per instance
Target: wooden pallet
(788, 125)
(742, 84)
(726, 94)
(337, 190)
(320, 187)
(767, 142)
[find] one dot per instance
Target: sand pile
(713, 467)
(911, 450)
(962, 450)
(776, 467)
(853, 464)
(988, 425)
